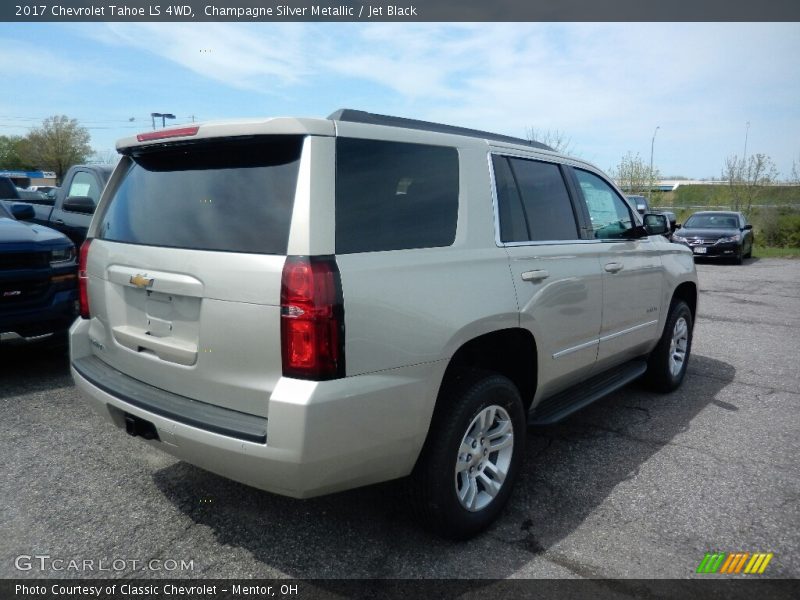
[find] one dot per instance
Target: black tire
(738, 259)
(749, 252)
(660, 375)
(434, 484)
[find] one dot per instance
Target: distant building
(25, 179)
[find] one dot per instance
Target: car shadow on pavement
(569, 471)
(35, 367)
(572, 467)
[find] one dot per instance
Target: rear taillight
(83, 279)
(312, 319)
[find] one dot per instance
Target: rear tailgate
(185, 268)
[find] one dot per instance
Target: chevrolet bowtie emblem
(141, 281)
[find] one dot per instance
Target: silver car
(311, 305)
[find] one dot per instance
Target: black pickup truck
(70, 212)
(38, 278)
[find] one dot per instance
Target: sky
(605, 87)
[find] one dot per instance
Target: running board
(563, 404)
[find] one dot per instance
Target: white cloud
(232, 54)
(606, 85)
(34, 62)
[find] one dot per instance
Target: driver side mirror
(656, 224)
(746, 227)
(22, 212)
(79, 204)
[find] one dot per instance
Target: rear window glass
(393, 196)
(233, 196)
(719, 221)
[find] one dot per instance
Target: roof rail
(360, 116)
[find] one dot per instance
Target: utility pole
(652, 144)
(746, 131)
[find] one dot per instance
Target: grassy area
(721, 196)
(772, 252)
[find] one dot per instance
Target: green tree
(11, 150)
(57, 145)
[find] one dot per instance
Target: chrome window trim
(496, 203)
(556, 161)
(561, 242)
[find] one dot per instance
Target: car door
(632, 272)
(75, 224)
(556, 275)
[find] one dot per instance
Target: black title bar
(186, 11)
(394, 589)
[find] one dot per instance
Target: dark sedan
(717, 234)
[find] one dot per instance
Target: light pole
(652, 144)
(746, 131)
(164, 117)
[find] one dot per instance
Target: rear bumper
(321, 437)
(34, 323)
(177, 408)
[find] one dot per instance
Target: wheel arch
(509, 352)
(687, 291)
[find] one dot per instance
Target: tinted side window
(393, 196)
(234, 196)
(610, 214)
(513, 226)
(544, 202)
(84, 184)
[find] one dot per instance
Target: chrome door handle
(613, 267)
(537, 275)
(58, 222)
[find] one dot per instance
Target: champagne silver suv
(311, 305)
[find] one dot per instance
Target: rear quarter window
(230, 195)
(393, 196)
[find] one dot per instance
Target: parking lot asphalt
(638, 485)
